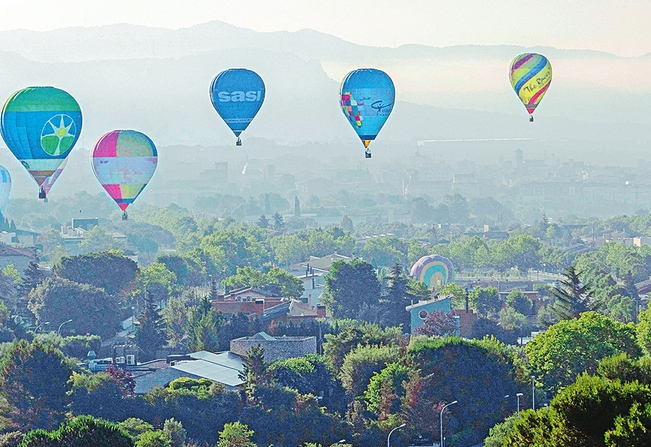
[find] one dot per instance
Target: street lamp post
(389, 437)
(533, 393)
(441, 419)
(61, 325)
(518, 400)
(41, 324)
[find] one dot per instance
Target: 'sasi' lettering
(240, 96)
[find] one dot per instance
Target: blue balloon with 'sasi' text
(237, 95)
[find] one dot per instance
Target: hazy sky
(617, 26)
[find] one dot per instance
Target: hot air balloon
(237, 95)
(434, 270)
(123, 162)
(367, 97)
(531, 75)
(49, 181)
(40, 126)
(5, 187)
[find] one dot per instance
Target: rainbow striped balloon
(434, 270)
(531, 75)
(124, 161)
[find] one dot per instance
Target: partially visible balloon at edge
(5, 187)
(41, 125)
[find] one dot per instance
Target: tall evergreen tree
(396, 299)
(572, 297)
(150, 334)
(263, 222)
(255, 372)
(297, 207)
(279, 222)
(32, 277)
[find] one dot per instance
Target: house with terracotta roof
(246, 300)
(18, 257)
(292, 311)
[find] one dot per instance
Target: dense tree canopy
(350, 286)
(91, 310)
(110, 271)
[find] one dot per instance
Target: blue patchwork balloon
(237, 95)
(367, 96)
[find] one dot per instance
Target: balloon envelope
(433, 270)
(367, 97)
(531, 76)
(40, 126)
(237, 95)
(124, 161)
(49, 181)
(5, 187)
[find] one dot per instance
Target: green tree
(150, 334)
(519, 302)
(349, 334)
(362, 363)
(276, 281)
(643, 331)
(91, 310)
(98, 240)
(386, 389)
(80, 431)
(347, 224)
(348, 286)
(571, 347)
(255, 373)
(110, 271)
(203, 324)
(458, 295)
(486, 300)
(32, 277)
(478, 374)
(235, 434)
(227, 249)
(34, 381)
(189, 271)
(263, 222)
(385, 251)
(396, 300)
(512, 320)
(572, 297)
(278, 222)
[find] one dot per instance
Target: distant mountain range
(156, 80)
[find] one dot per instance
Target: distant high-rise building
(519, 159)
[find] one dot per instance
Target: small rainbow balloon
(434, 270)
(531, 76)
(124, 161)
